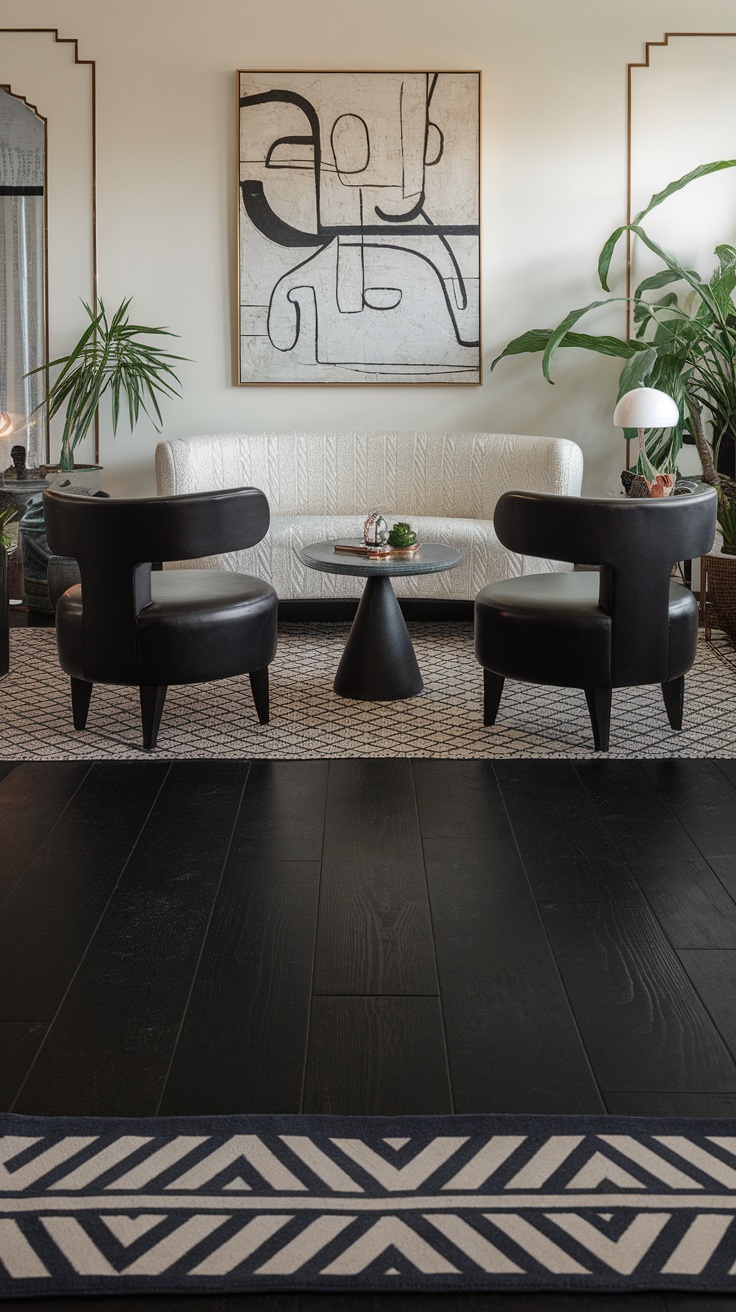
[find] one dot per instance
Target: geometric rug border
(464, 1203)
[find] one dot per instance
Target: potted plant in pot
(109, 356)
(683, 343)
(112, 355)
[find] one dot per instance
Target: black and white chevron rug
(217, 720)
(440, 1204)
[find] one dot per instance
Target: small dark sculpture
(18, 457)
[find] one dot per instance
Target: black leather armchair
(627, 624)
(130, 623)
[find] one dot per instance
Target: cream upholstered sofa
(321, 485)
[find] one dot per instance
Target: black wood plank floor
(369, 937)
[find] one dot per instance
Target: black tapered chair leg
(81, 695)
(674, 700)
(259, 688)
(153, 697)
(599, 706)
(492, 689)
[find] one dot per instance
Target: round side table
(379, 663)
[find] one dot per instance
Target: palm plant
(7, 543)
(684, 343)
(109, 357)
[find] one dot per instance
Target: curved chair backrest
(116, 541)
(635, 542)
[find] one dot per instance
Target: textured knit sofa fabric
(321, 486)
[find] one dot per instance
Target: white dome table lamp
(647, 407)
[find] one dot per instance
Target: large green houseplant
(7, 541)
(684, 343)
(109, 356)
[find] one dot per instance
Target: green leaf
(560, 333)
(637, 371)
(657, 280)
(724, 279)
(528, 343)
(702, 288)
(702, 171)
(109, 355)
(606, 255)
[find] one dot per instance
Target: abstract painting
(359, 256)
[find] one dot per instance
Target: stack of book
(373, 551)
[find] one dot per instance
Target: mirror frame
(47, 119)
(4, 86)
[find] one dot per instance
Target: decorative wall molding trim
(645, 63)
(88, 63)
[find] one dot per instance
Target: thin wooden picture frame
(452, 375)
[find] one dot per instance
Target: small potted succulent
(401, 537)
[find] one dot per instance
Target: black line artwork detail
(359, 227)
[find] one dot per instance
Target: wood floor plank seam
(377, 995)
(686, 952)
(434, 942)
(632, 869)
(636, 960)
(705, 1093)
(374, 932)
(32, 855)
(377, 1056)
(720, 878)
(563, 986)
(305, 1061)
(726, 772)
(202, 944)
(18, 1043)
(654, 771)
(92, 935)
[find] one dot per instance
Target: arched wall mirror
(48, 244)
(23, 278)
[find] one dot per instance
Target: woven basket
(722, 592)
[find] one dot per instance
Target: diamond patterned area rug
(439, 1204)
(217, 720)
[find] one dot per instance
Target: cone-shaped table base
(378, 664)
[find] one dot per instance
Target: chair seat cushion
(549, 628)
(200, 625)
(192, 591)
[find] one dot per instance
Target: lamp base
(636, 485)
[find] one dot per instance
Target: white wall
(554, 185)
